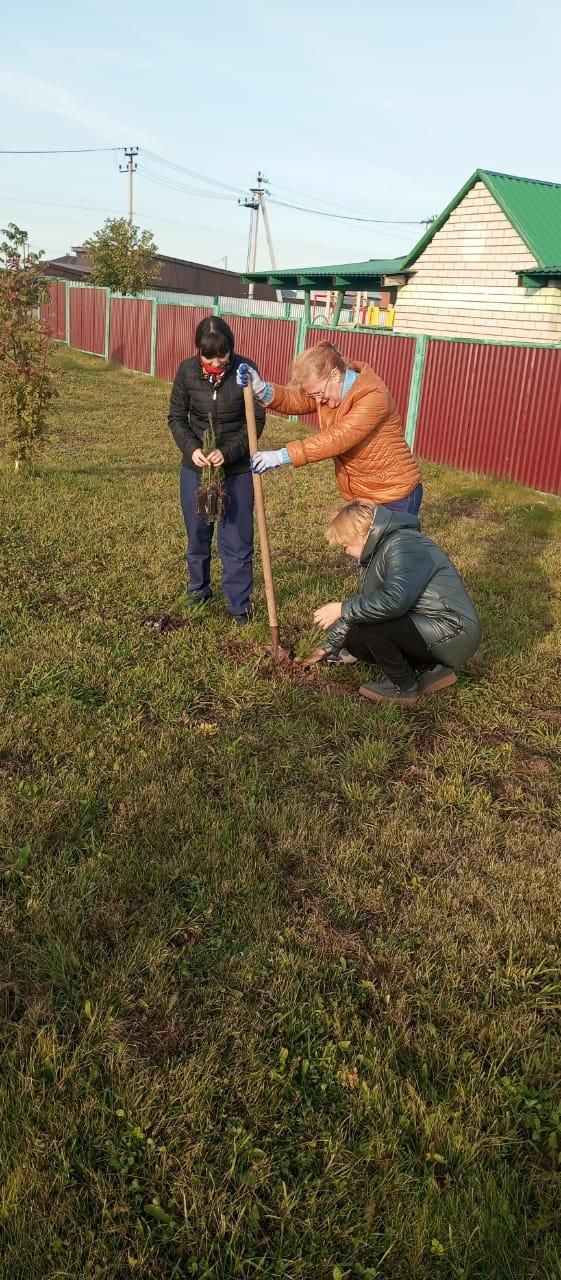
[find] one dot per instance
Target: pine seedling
(211, 501)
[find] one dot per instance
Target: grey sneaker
(437, 677)
(342, 656)
(387, 691)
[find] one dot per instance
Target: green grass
(280, 984)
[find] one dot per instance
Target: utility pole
(265, 214)
(256, 202)
(427, 222)
(130, 168)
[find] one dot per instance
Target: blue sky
(367, 107)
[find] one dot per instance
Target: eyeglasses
(320, 395)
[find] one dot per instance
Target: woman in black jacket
(411, 615)
(205, 387)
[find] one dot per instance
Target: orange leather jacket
(363, 435)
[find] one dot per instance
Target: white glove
(246, 374)
(268, 459)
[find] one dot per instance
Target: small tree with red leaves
(28, 384)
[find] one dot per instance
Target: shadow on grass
(510, 586)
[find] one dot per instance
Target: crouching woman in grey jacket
(412, 616)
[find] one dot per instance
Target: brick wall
(465, 285)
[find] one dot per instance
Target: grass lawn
(280, 987)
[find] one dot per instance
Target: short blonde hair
(354, 520)
(317, 362)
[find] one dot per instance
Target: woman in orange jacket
(359, 427)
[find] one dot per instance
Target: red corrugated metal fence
(175, 337)
(53, 313)
(484, 407)
(130, 333)
(495, 409)
(270, 343)
(87, 320)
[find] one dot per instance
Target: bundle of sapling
(211, 499)
(309, 642)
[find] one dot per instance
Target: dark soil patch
(550, 716)
(186, 935)
(472, 509)
(22, 1002)
(151, 1036)
(15, 765)
(163, 623)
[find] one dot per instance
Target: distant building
(489, 266)
(176, 275)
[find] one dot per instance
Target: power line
(75, 151)
(88, 208)
(172, 184)
(191, 173)
(322, 213)
(348, 217)
(315, 199)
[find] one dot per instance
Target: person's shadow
(502, 566)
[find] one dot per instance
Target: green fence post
(67, 302)
(107, 321)
(301, 330)
(415, 388)
(299, 345)
(338, 308)
(216, 305)
(153, 338)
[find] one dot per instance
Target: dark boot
(437, 677)
(387, 691)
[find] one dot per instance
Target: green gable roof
(330, 277)
(532, 207)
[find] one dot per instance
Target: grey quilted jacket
(402, 571)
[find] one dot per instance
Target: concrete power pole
(130, 168)
(265, 214)
(256, 202)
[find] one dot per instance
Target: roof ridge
(516, 177)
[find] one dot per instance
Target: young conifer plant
(211, 500)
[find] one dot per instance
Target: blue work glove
(268, 459)
(246, 375)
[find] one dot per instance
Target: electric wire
(61, 151)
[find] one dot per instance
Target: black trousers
(395, 645)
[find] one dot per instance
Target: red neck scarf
(214, 375)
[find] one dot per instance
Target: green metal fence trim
(153, 337)
(300, 336)
(441, 337)
(107, 321)
(415, 389)
(67, 306)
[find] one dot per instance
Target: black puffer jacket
(194, 397)
(402, 571)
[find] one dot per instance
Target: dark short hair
(213, 337)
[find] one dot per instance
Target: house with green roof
(489, 266)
